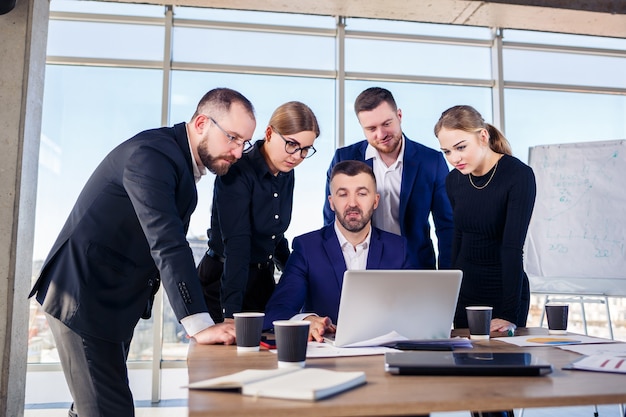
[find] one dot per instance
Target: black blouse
(251, 212)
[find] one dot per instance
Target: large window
(109, 76)
(267, 93)
(563, 88)
(88, 111)
(421, 106)
(539, 117)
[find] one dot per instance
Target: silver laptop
(417, 304)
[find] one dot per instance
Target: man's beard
(218, 165)
(391, 146)
(354, 225)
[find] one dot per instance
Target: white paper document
(598, 349)
(553, 340)
(326, 350)
(392, 336)
(600, 363)
(375, 346)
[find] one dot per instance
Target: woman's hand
(501, 325)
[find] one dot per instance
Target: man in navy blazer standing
(125, 234)
(410, 179)
(310, 286)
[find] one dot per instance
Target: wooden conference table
(392, 395)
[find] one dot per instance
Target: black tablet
(465, 363)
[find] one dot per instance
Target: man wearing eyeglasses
(125, 234)
(250, 213)
(410, 178)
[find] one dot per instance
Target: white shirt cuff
(302, 316)
(195, 323)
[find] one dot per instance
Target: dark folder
(465, 363)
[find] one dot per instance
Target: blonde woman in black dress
(492, 195)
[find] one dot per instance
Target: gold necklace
(488, 181)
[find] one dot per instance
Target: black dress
(491, 218)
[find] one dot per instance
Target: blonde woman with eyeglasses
(251, 211)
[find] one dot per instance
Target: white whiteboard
(577, 236)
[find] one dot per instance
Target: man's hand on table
(218, 333)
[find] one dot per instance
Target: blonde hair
(467, 119)
(294, 117)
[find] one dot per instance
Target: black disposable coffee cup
(557, 318)
(479, 321)
(248, 329)
(291, 342)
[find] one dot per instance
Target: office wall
(23, 34)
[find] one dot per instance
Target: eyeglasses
(292, 147)
(244, 143)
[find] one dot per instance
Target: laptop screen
(417, 304)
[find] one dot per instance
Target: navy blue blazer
(313, 276)
(423, 191)
(127, 228)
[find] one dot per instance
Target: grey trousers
(95, 371)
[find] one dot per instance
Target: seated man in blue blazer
(310, 286)
(410, 180)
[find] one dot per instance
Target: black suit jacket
(127, 227)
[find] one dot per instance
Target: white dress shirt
(196, 322)
(198, 171)
(388, 185)
(355, 258)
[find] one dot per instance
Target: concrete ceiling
(587, 17)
